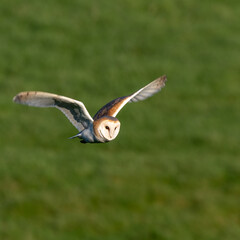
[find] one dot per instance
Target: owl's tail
(78, 135)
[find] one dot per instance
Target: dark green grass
(174, 170)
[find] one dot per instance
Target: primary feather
(149, 90)
(74, 110)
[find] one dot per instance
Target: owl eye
(107, 127)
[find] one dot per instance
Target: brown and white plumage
(104, 126)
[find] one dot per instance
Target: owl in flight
(104, 126)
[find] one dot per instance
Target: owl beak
(111, 133)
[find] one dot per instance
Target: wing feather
(74, 110)
(112, 108)
(149, 90)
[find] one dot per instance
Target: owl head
(106, 128)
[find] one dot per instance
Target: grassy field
(174, 170)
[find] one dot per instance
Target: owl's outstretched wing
(112, 108)
(74, 110)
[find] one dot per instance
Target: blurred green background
(174, 170)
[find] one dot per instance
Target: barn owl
(104, 126)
